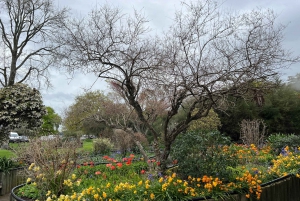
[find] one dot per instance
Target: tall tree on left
(27, 42)
(20, 107)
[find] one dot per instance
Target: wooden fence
(10, 179)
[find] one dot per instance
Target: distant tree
(202, 59)
(209, 123)
(27, 39)
(20, 107)
(51, 122)
(90, 112)
(280, 112)
(294, 82)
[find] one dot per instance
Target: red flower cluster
(115, 163)
(153, 161)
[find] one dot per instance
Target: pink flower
(97, 173)
(143, 171)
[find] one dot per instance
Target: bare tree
(204, 57)
(27, 45)
(253, 132)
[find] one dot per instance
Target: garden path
(5, 197)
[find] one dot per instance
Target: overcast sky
(160, 13)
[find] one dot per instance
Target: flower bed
(131, 180)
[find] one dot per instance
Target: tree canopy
(20, 107)
(51, 122)
(206, 56)
(27, 43)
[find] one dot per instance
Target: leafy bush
(200, 153)
(6, 164)
(102, 146)
(279, 141)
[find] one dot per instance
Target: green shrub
(279, 141)
(102, 146)
(6, 164)
(200, 153)
(29, 191)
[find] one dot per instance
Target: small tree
(20, 107)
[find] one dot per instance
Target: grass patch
(87, 146)
(6, 153)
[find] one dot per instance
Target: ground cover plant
(130, 178)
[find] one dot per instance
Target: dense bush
(6, 164)
(279, 141)
(200, 153)
(102, 146)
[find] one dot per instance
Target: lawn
(87, 146)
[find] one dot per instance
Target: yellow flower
(73, 176)
(36, 169)
(96, 196)
(49, 192)
(108, 185)
(31, 166)
(104, 195)
(161, 180)
(152, 196)
(140, 183)
(28, 180)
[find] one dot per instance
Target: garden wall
(10, 179)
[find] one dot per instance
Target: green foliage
(209, 123)
(25, 108)
(29, 191)
(279, 141)
(51, 122)
(6, 164)
(102, 146)
(200, 153)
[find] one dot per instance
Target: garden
(217, 170)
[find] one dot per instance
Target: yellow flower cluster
(284, 163)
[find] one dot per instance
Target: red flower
(158, 163)
(97, 173)
(125, 159)
(143, 171)
(131, 155)
(119, 165)
(78, 166)
(108, 165)
(112, 167)
(128, 162)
